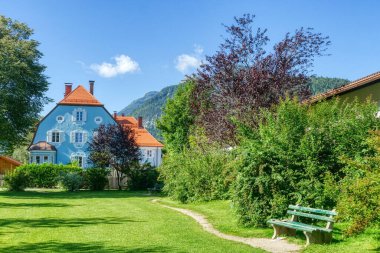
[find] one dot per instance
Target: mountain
(150, 105)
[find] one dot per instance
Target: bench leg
(317, 237)
(279, 230)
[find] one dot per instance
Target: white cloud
(187, 62)
(123, 64)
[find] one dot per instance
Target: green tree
(22, 82)
(177, 118)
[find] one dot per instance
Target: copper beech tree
(242, 77)
(114, 146)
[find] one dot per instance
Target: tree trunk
(118, 179)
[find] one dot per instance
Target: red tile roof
(80, 96)
(143, 137)
(348, 87)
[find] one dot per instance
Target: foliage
(177, 118)
(200, 172)
(322, 84)
(359, 201)
(150, 108)
(22, 82)
(16, 180)
(114, 146)
(96, 179)
(142, 177)
(71, 181)
(241, 77)
(293, 156)
(46, 175)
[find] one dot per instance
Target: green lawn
(108, 221)
(220, 214)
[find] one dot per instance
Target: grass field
(220, 214)
(108, 221)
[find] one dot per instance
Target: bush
(142, 177)
(46, 175)
(96, 178)
(16, 180)
(200, 172)
(71, 181)
(293, 156)
(359, 201)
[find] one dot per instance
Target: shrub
(96, 178)
(16, 180)
(46, 175)
(142, 177)
(200, 172)
(71, 181)
(293, 156)
(359, 201)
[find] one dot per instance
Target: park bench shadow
(59, 247)
(56, 222)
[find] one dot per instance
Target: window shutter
(74, 116)
(72, 136)
(61, 136)
(84, 114)
(49, 136)
(84, 137)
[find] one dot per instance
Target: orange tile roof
(10, 160)
(143, 137)
(79, 96)
(350, 86)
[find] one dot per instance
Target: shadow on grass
(52, 222)
(26, 205)
(83, 194)
(54, 246)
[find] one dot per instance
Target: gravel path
(277, 245)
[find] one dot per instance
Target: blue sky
(132, 47)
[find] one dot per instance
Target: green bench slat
(312, 216)
(316, 227)
(289, 224)
(299, 226)
(312, 210)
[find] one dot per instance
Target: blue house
(62, 135)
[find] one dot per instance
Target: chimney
(114, 114)
(91, 87)
(140, 122)
(68, 88)
(122, 114)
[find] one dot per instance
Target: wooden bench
(313, 233)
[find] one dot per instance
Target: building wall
(6, 166)
(363, 93)
(65, 149)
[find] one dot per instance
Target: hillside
(150, 105)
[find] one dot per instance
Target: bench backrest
(312, 213)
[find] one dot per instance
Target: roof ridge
(351, 85)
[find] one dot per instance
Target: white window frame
(51, 133)
(98, 120)
(82, 113)
(60, 118)
(73, 136)
(75, 157)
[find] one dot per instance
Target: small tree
(115, 146)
